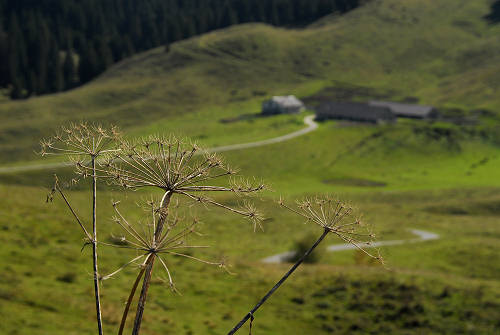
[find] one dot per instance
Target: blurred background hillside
(202, 69)
(51, 46)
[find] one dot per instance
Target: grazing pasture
(439, 176)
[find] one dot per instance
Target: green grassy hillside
(442, 53)
(445, 286)
(441, 177)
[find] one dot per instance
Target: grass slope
(442, 286)
(433, 176)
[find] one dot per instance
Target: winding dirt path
(308, 121)
(422, 236)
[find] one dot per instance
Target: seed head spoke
(122, 267)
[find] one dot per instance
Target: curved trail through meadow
(422, 236)
(308, 120)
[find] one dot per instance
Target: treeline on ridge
(53, 45)
(494, 15)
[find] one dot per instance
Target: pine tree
(202, 22)
(325, 7)
(17, 58)
(174, 30)
(274, 11)
(341, 5)
(43, 42)
(4, 58)
(494, 15)
(16, 91)
(259, 11)
(285, 9)
(189, 27)
(69, 72)
(55, 78)
(310, 9)
(128, 47)
(243, 9)
(149, 29)
(31, 84)
(136, 32)
(229, 16)
(105, 58)
(88, 67)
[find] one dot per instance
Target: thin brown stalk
(164, 164)
(94, 248)
(278, 284)
(56, 187)
(129, 300)
(141, 304)
(327, 213)
(149, 266)
(80, 142)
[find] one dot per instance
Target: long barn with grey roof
(354, 112)
(407, 110)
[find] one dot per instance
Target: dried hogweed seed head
(140, 237)
(80, 139)
(336, 217)
(176, 167)
(81, 143)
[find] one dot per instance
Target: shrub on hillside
(302, 245)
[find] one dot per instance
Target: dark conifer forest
(494, 15)
(49, 46)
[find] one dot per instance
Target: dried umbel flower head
(177, 167)
(83, 143)
(80, 139)
(336, 217)
(141, 237)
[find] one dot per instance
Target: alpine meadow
(150, 190)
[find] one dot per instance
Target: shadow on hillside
(345, 92)
(354, 182)
(242, 117)
(477, 208)
(246, 117)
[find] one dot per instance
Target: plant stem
(129, 301)
(73, 212)
(94, 247)
(278, 284)
(149, 266)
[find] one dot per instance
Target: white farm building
(282, 105)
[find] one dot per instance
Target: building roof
(287, 101)
(408, 110)
(354, 111)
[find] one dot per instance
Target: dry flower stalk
(331, 214)
(141, 238)
(334, 216)
(176, 167)
(83, 142)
